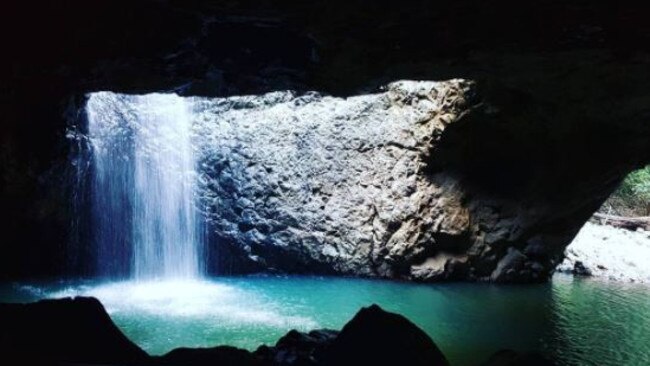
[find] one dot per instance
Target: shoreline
(610, 253)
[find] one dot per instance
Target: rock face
(371, 185)
(315, 183)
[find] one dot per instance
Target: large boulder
(377, 337)
(372, 337)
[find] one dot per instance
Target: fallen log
(629, 223)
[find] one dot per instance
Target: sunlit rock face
(403, 183)
(317, 183)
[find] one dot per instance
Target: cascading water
(144, 220)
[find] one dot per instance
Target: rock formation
(314, 183)
(374, 185)
(557, 117)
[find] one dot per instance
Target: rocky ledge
(79, 331)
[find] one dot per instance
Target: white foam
(187, 299)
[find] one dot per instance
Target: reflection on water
(574, 321)
(599, 323)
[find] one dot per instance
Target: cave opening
(283, 189)
(166, 184)
(632, 197)
(613, 243)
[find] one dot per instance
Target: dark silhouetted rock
(580, 269)
(298, 348)
(65, 330)
(376, 337)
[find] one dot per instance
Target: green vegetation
(637, 185)
(632, 198)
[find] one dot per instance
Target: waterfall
(144, 220)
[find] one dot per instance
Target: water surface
(574, 321)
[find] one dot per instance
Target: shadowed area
(79, 331)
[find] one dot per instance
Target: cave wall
(313, 183)
(560, 118)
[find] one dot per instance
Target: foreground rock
(72, 330)
(80, 331)
(377, 337)
(611, 253)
